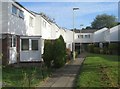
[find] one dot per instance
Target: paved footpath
(65, 76)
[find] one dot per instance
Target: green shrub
(59, 52)
(91, 48)
(55, 52)
(48, 54)
(113, 48)
(101, 51)
(96, 50)
(76, 54)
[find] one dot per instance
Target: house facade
(24, 32)
(20, 43)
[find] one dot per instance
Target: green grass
(99, 71)
(23, 77)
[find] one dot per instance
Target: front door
(13, 50)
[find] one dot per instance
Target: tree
(48, 54)
(59, 52)
(104, 20)
(55, 51)
(88, 27)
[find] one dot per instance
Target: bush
(113, 48)
(96, 50)
(76, 54)
(59, 52)
(91, 48)
(104, 50)
(48, 54)
(55, 52)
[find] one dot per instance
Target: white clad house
(114, 34)
(55, 31)
(83, 38)
(99, 36)
(19, 41)
(69, 39)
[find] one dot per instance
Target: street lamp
(80, 36)
(74, 34)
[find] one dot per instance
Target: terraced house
(23, 34)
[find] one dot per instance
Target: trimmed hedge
(91, 48)
(96, 50)
(112, 48)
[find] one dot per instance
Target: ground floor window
(13, 41)
(29, 44)
(25, 44)
(34, 44)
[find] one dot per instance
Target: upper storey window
(21, 15)
(17, 12)
(14, 9)
(87, 36)
(31, 21)
(44, 23)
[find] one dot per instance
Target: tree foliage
(104, 20)
(59, 52)
(55, 51)
(48, 55)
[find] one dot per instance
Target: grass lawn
(99, 71)
(23, 77)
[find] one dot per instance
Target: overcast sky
(62, 11)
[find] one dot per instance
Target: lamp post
(80, 36)
(74, 34)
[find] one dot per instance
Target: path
(65, 76)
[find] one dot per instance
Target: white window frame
(21, 13)
(31, 19)
(13, 11)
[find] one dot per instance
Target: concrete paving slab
(64, 77)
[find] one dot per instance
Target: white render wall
(69, 39)
(45, 30)
(4, 16)
(12, 24)
(99, 36)
(114, 33)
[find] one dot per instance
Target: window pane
(14, 9)
(34, 44)
(14, 41)
(81, 36)
(10, 41)
(31, 21)
(85, 36)
(21, 15)
(25, 44)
